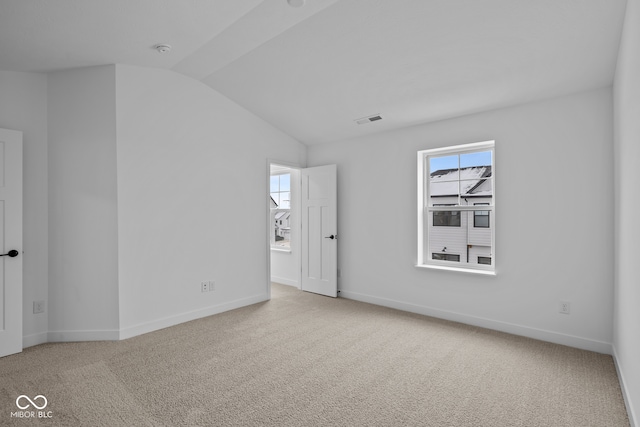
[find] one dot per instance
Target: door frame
(297, 167)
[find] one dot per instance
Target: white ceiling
(312, 71)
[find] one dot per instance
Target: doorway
(284, 224)
(302, 228)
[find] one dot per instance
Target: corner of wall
(624, 389)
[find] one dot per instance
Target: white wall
(83, 267)
(183, 158)
(285, 266)
(554, 180)
(192, 189)
(23, 107)
(627, 207)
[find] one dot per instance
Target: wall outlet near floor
(565, 307)
(208, 286)
(38, 307)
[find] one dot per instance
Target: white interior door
(10, 242)
(319, 230)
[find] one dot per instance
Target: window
(446, 218)
(446, 257)
(456, 207)
(481, 218)
(280, 189)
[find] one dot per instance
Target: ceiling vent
(368, 119)
(162, 48)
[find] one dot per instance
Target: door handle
(12, 253)
(332, 237)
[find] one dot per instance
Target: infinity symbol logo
(35, 405)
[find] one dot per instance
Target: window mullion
(462, 208)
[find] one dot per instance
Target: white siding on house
(453, 238)
(478, 236)
(479, 251)
(457, 239)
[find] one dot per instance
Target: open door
(319, 230)
(10, 242)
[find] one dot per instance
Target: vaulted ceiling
(313, 70)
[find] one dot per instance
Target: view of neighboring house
(282, 227)
(461, 236)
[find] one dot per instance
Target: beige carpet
(307, 360)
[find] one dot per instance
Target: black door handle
(331, 237)
(12, 253)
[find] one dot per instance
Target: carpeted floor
(307, 360)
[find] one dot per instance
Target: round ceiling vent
(163, 48)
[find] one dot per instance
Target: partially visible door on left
(10, 242)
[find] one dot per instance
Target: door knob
(12, 253)
(331, 237)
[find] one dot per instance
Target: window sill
(462, 270)
(287, 251)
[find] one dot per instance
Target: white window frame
(424, 210)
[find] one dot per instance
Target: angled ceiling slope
(415, 61)
(313, 71)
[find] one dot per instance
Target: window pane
(482, 158)
(442, 164)
(446, 257)
(274, 183)
(285, 200)
(467, 242)
(282, 228)
(481, 219)
(484, 260)
(285, 182)
(442, 190)
(446, 219)
(276, 198)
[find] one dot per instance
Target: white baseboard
(132, 331)
(511, 328)
(34, 339)
(75, 336)
(284, 281)
(166, 322)
(625, 393)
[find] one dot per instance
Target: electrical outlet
(38, 307)
(565, 307)
(205, 286)
(212, 285)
